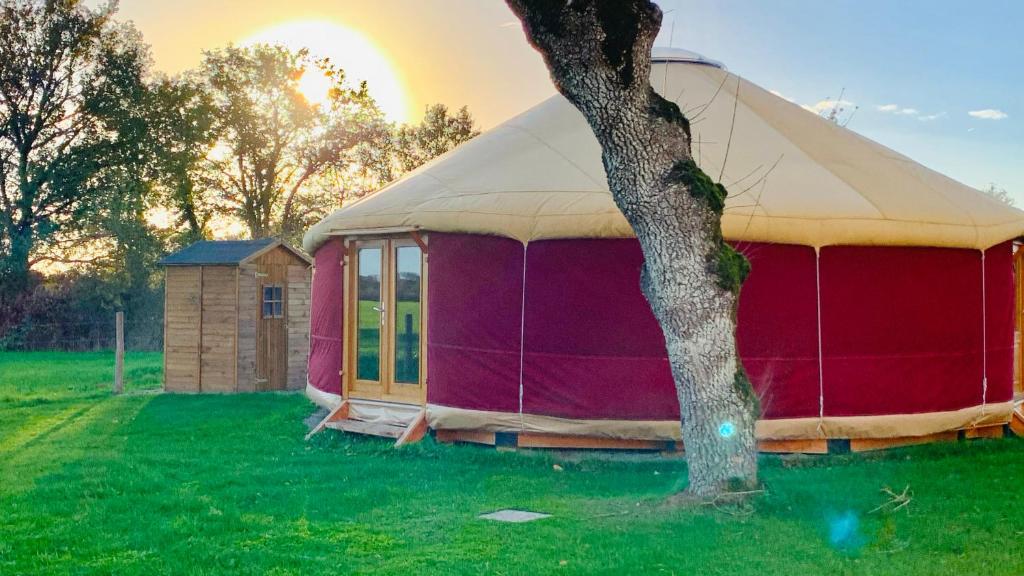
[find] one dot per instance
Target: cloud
(988, 114)
(896, 109)
(907, 111)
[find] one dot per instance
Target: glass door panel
(385, 360)
(408, 284)
(369, 313)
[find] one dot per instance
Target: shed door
(272, 333)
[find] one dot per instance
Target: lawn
(164, 484)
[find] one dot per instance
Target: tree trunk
(14, 266)
(599, 55)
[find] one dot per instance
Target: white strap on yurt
(821, 361)
(522, 339)
(984, 337)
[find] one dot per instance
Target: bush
(75, 311)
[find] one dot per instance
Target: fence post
(119, 354)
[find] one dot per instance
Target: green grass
(167, 484)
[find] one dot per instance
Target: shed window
(273, 302)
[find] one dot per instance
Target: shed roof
(225, 252)
(792, 176)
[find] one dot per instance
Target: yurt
(493, 294)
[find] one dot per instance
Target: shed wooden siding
(220, 319)
(298, 306)
(181, 329)
(248, 317)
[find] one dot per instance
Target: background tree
(395, 150)
(182, 130)
(999, 194)
(272, 141)
(60, 63)
(599, 56)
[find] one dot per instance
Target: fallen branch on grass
(895, 501)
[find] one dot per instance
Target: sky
(940, 81)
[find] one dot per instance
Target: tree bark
(15, 265)
(599, 56)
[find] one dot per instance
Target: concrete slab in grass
(514, 516)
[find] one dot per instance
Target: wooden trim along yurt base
(821, 436)
(804, 446)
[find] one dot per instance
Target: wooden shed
(236, 317)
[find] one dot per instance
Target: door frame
(384, 389)
(273, 377)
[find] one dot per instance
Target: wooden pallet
(511, 440)
(339, 413)
(534, 440)
(812, 446)
(984, 432)
(869, 444)
(368, 428)
(418, 428)
(1017, 421)
(339, 420)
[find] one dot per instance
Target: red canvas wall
(901, 328)
(999, 302)
(325, 327)
(777, 331)
(475, 294)
(593, 348)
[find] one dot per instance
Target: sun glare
(347, 49)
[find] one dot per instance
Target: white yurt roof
(793, 177)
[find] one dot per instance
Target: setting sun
(347, 49)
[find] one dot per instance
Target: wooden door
(272, 327)
(387, 338)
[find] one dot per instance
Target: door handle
(380, 309)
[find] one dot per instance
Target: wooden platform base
(869, 444)
(1017, 422)
(984, 432)
(532, 440)
(339, 419)
(793, 446)
(511, 440)
(339, 413)
(368, 428)
(415, 431)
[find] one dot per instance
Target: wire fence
(141, 334)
